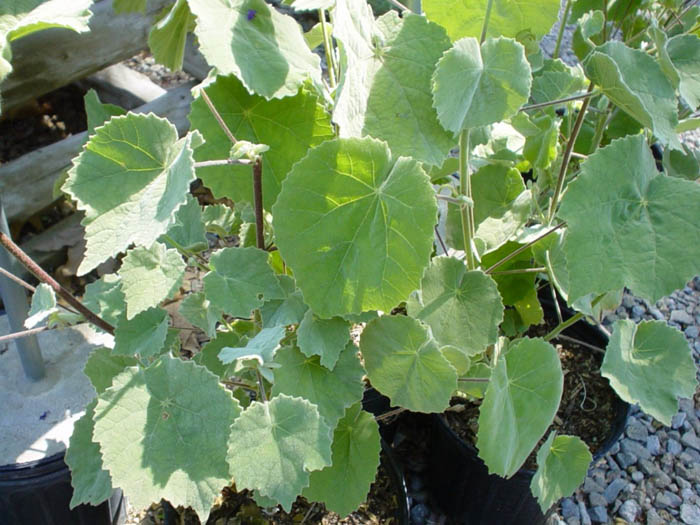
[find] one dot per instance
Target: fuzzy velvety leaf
(102, 367)
(43, 305)
(519, 405)
(463, 308)
(290, 126)
(105, 298)
(144, 334)
(198, 310)
(344, 485)
(163, 432)
(187, 230)
(289, 310)
(684, 164)
(684, 52)
(260, 348)
(355, 225)
(634, 82)
(97, 112)
(240, 281)
(262, 47)
(562, 464)
(628, 224)
(21, 18)
(310, 5)
(149, 276)
(331, 391)
(274, 445)
(650, 364)
(555, 80)
(209, 355)
(478, 85)
(404, 363)
(130, 179)
(386, 89)
(501, 207)
(168, 36)
(91, 483)
(323, 337)
(507, 18)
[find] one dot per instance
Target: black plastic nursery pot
(39, 493)
(461, 484)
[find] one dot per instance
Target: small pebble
(629, 511)
(598, 514)
(681, 316)
(419, 514)
(637, 431)
(653, 445)
(569, 509)
(674, 447)
(637, 476)
(613, 490)
(585, 518)
(692, 331)
(677, 420)
(690, 514)
(690, 439)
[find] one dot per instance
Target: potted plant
(347, 216)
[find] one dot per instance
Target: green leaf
(474, 86)
(356, 226)
(512, 287)
(221, 220)
(289, 126)
(149, 276)
(267, 53)
(310, 5)
(555, 80)
(627, 224)
(91, 483)
(688, 124)
(21, 18)
(633, 81)
(130, 179)
(650, 364)
(209, 354)
(197, 309)
(463, 308)
(385, 92)
(168, 36)
(323, 337)
(404, 363)
(507, 18)
(289, 310)
(562, 464)
(501, 208)
(102, 367)
(458, 358)
(684, 164)
(684, 52)
(239, 281)
(43, 305)
(186, 233)
(344, 485)
(314, 36)
(274, 446)
(259, 351)
(660, 39)
(129, 6)
(97, 112)
(519, 405)
(143, 335)
(541, 138)
(105, 298)
(163, 432)
(331, 391)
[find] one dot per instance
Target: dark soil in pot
(589, 408)
(386, 504)
(39, 493)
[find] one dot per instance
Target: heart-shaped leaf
(356, 226)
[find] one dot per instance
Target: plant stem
(520, 270)
(562, 27)
(485, 27)
(328, 46)
(473, 379)
(398, 4)
(16, 279)
(24, 333)
(524, 247)
(40, 274)
(261, 386)
(571, 320)
(465, 188)
(439, 238)
(258, 198)
(579, 342)
(415, 7)
(560, 101)
(601, 125)
(218, 117)
(567, 156)
(222, 162)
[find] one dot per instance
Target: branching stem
(570, 321)
(44, 277)
(258, 198)
(218, 117)
(222, 162)
(562, 27)
(485, 27)
(23, 333)
(328, 46)
(560, 101)
(465, 189)
(524, 247)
